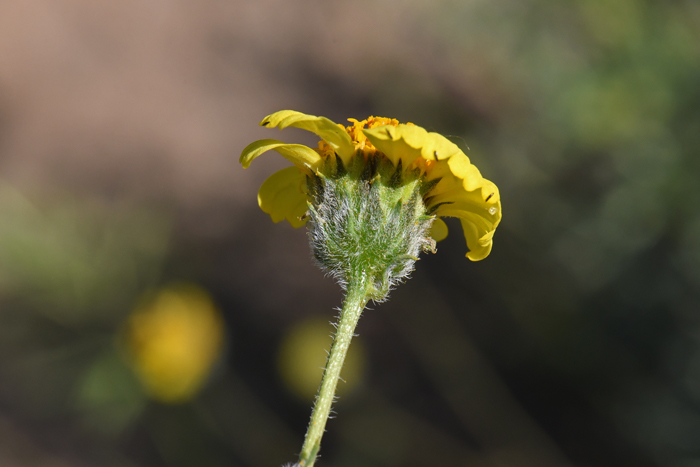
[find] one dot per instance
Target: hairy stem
(355, 301)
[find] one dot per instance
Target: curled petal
(298, 154)
(333, 134)
(479, 222)
(438, 231)
(482, 247)
(283, 196)
(484, 201)
(455, 173)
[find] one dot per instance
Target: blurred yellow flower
(173, 339)
(457, 188)
(301, 359)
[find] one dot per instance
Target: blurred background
(152, 316)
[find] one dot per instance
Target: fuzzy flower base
(369, 220)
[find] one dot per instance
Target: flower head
(372, 193)
(450, 185)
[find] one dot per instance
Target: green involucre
(368, 221)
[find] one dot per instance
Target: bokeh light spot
(302, 357)
(173, 339)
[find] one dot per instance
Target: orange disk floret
(359, 139)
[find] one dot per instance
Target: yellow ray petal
(298, 154)
(326, 129)
(479, 247)
(409, 142)
(479, 224)
(463, 189)
(484, 201)
(283, 196)
(438, 231)
(478, 217)
(403, 142)
(437, 147)
(455, 173)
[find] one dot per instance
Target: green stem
(355, 301)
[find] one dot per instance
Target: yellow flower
(459, 189)
(173, 340)
(301, 358)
